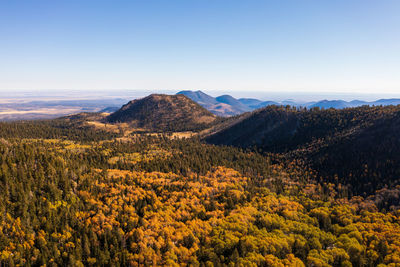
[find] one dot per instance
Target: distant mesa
(158, 112)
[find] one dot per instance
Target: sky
(313, 46)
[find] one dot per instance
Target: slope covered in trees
(357, 147)
(164, 113)
(154, 201)
(71, 195)
(63, 128)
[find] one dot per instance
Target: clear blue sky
(289, 45)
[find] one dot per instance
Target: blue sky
(282, 45)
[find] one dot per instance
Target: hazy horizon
(322, 47)
(47, 95)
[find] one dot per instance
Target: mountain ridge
(227, 105)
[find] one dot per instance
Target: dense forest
(355, 147)
(77, 196)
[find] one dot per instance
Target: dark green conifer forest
(74, 195)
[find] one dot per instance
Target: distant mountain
(338, 104)
(386, 102)
(289, 103)
(223, 106)
(356, 146)
(250, 102)
(357, 103)
(267, 103)
(230, 100)
(199, 97)
(164, 113)
(253, 103)
(226, 105)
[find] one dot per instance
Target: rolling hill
(164, 113)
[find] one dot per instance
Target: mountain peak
(160, 112)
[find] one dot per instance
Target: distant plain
(47, 104)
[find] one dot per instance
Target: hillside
(152, 201)
(357, 147)
(164, 113)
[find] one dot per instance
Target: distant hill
(230, 100)
(250, 102)
(385, 102)
(159, 112)
(359, 146)
(226, 105)
(266, 103)
(357, 103)
(211, 103)
(338, 104)
(199, 97)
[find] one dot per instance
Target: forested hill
(164, 113)
(74, 195)
(358, 147)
